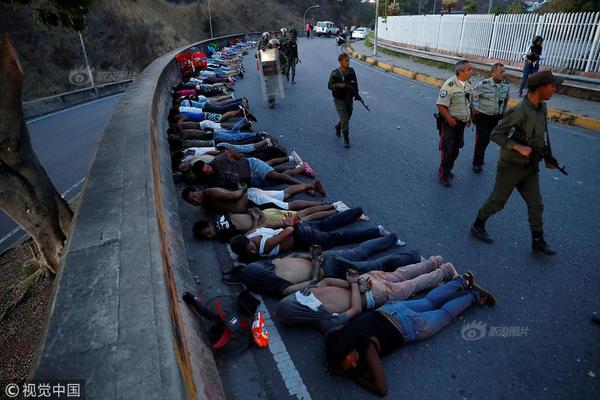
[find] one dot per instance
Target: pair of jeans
(320, 232)
(423, 318)
(336, 263)
(238, 148)
(528, 69)
(221, 134)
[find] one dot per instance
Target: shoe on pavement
(445, 183)
(308, 170)
(481, 234)
(340, 206)
(297, 158)
(539, 246)
(485, 296)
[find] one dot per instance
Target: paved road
(392, 173)
(64, 142)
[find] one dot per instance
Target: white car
(360, 33)
(326, 28)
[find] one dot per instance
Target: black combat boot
(338, 130)
(539, 245)
(346, 139)
(478, 231)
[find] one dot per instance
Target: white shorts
(262, 197)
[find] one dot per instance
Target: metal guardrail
(45, 105)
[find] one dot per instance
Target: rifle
(357, 97)
(519, 136)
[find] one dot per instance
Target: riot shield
(270, 74)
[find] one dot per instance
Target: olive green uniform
(515, 170)
(490, 109)
(458, 98)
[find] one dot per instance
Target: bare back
(293, 269)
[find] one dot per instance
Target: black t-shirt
(536, 52)
(228, 173)
(224, 227)
(375, 324)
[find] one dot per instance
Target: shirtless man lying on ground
(333, 302)
(281, 276)
(239, 201)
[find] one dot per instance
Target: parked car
(327, 28)
(360, 33)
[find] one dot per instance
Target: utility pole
(376, 23)
(87, 64)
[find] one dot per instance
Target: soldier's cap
(542, 78)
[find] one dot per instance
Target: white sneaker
(400, 243)
(364, 218)
(340, 206)
(297, 158)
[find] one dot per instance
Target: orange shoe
(259, 333)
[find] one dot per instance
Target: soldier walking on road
(518, 165)
(344, 88)
(291, 51)
(492, 94)
(454, 103)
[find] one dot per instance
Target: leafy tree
(470, 7)
(571, 6)
(517, 7)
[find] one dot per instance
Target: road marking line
(71, 108)
(285, 365)
(287, 369)
(18, 228)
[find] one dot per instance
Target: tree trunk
(26, 193)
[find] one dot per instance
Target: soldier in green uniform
(454, 103)
(344, 88)
(492, 94)
(518, 165)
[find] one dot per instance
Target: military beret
(542, 78)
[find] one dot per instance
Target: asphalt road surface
(64, 142)
(537, 343)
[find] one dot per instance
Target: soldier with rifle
(344, 88)
(520, 135)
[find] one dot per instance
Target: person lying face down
(281, 276)
(326, 304)
(228, 225)
(239, 201)
(229, 169)
(354, 350)
(267, 242)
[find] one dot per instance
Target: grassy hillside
(123, 36)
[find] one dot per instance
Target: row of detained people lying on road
(358, 299)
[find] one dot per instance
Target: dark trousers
(222, 107)
(451, 140)
(526, 180)
(336, 263)
(320, 232)
(344, 110)
(484, 125)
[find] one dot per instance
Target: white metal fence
(571, 40)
